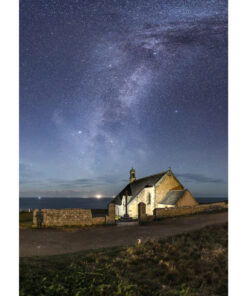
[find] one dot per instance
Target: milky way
(106, 85)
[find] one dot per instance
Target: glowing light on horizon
(98, 196)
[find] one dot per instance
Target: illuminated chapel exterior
(156, 191)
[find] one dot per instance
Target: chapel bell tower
(132, 175)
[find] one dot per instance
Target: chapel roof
(172, 197)
(134, 188)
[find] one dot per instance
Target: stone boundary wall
(71, 217)
(179, 211)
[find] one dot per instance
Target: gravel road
(43, 242)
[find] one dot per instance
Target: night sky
(107, 85)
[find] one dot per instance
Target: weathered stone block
(98, 220)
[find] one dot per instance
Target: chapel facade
(156, 191)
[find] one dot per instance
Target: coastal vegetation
(25, 219)
(191, 264)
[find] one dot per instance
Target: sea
(32, 203)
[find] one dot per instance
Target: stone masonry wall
(110, 218)
(172, 212)
(142, 197)
(63, 217)
(168, 183)
(69, 217)
(187, 200)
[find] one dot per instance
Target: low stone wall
(99, 220)
(172, 212)
(69, 217)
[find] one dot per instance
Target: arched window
(149, 198)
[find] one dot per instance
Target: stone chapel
(156, 191)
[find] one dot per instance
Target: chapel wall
(167, 184)
(187, 200)
(142, 197)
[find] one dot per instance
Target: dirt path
(36, 242)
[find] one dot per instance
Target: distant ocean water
(84, 203)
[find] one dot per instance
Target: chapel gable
(167, 183)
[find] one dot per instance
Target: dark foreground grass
(190, 264)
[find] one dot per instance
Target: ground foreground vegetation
(192, 264)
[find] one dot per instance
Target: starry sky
(106, 85)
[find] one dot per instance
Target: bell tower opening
(132, 175)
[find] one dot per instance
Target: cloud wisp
(188, 177)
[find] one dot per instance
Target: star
(104, 84)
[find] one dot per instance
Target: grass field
(25, 219)
(190, 264)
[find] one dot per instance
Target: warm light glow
(98, 196)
